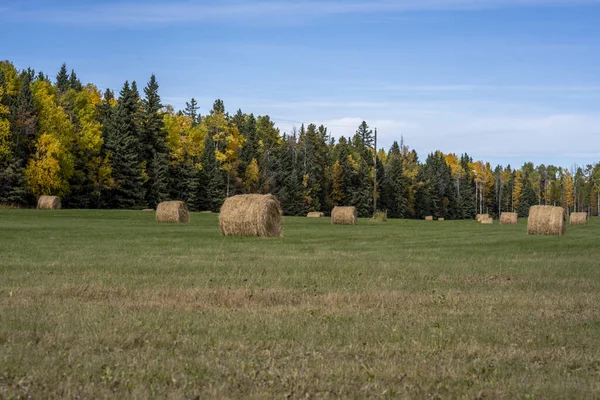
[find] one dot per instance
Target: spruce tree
(212, 189)
(62, 79)
(394, 196)
(153, 146)
(123, 147)
(74, 82)
(288, 187)
(191, 110)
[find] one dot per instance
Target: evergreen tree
(218, 107)
(62, 79)
(191, 110)
(212, 191)
(246, 124)
(288, 188)
(153, 147)
(123, 147)
(74, 82)
(394, 196)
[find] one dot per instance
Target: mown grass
(97, 304)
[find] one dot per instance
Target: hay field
(97, 304)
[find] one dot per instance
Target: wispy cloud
(168, 12)
(489, 88)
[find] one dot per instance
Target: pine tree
(218, 107)
(191, 110)
(246, 124)
(288, 187)
(74, 82)
(62, 79)
(527, 197)
(153, 146)
(123, 147)
(362, 190)
(394, 196)
(212, 191)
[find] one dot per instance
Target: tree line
(100, 150)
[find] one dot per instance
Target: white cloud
(490, 132)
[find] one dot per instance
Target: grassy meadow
(110, 304)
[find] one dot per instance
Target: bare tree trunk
(227, 183)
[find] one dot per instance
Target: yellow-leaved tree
(184, 139)
(10, 88)
(337, 193)
(251, 177)
(569, 189)
(94, 170)
(52, 165)
(517, 189)
(228, 142)
(456, 170)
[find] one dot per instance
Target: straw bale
(49, 203)
(429, 218)
(479, 216)
(509, 218)
(441, 219)
(172, 211)
(546, 220)
(343, 215)
(578, 218)
(486, 220)
(251, 215)
(315, 214)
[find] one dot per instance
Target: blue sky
(505, 80)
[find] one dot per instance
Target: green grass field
(97, 304)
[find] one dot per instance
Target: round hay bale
(486, 219)
(478, 217)
(315, 214)
(509, 218)
(429, 218)
(441, 219)
(251, 215)
(343, 215)
(48, 203)
(546, 220)
(172, 211)
(578, 218)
